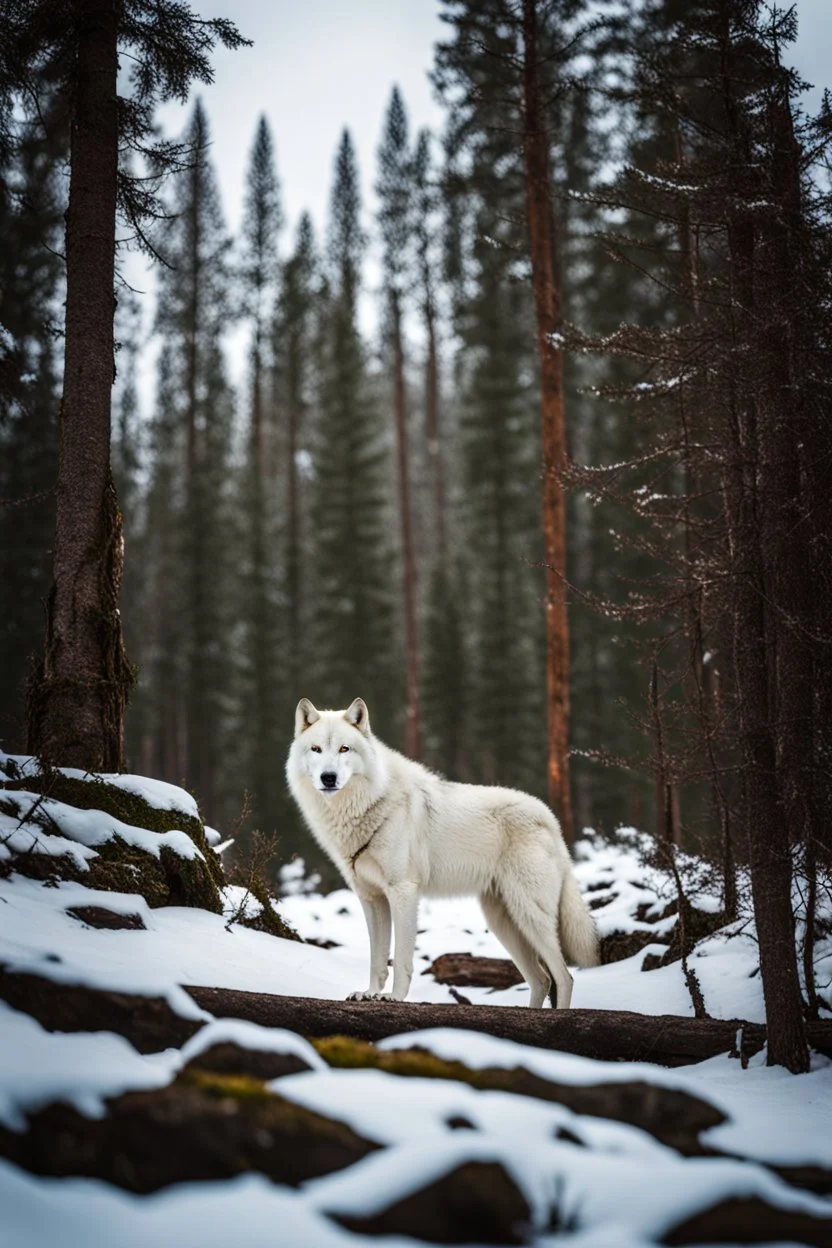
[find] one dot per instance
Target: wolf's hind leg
(404, 904)
(532, 902)
(518, 948)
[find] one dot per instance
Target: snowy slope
(603, 1182)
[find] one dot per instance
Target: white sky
(319, 65)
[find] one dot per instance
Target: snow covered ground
(601, 1182)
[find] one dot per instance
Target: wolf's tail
(578, 936)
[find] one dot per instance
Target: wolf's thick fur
(397, 832)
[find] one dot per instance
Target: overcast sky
(319, 65)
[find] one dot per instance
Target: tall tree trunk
(755, 626)
(768, 840)
(412, 736)
(432, 422)
(547, 298)
(263, 770)
(78, 696)
(195, 724)
(293, 538)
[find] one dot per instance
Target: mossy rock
(202, 1127)
(169, 880)
(94, 793)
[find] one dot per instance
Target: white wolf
(398, 832)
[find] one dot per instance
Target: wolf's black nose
(329, 779)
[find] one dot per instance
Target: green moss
(93, 793)
(344, 1052)
(238, 1087)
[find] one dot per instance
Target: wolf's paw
(371, 996)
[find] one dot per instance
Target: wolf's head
(331, 747)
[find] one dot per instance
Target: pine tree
(296, 343)
(501, 450)
(737, 434)
(425, 230)
(30, 294)
(129, 459)
(79, 693)
(548, 297)
(395, 188)
(193, 313)
(261, 702)
(444, 700)
(351, 558)
(495, 514)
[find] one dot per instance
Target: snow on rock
(156, 793)
(92, 828)
(20, 837)
(752, 1100)
(78, 1213)
(38, 1067)
(426, 1107)
(251, 1036)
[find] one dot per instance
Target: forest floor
(443, 1135)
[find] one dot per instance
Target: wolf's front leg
(377, 913)
(404, 907)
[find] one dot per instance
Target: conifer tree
(499, 434)
(737, 433)
(193, 313)
(261, 701)
(296, 343)
(351, 557)
(444, 700)
(500, 448)
(425, 231)
(395, 187)
(79, 693)
(30, 294)
(548, 298)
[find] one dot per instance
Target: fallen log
(607, 1035)
(466, 970)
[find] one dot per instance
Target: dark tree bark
(412, 735)
(79, 693)
(547, 298)
(757, 496)
(433, 432)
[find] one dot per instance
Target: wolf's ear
(358, 715)
(305, 716)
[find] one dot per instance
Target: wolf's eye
(345, 749)
(316, 749)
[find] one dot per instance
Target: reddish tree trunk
(411, 627)
(543, 240)
(79, 694)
